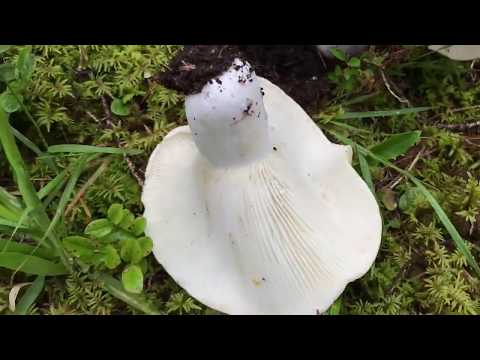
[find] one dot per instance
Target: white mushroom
(351, 50)
(252, 210)
(458, 52)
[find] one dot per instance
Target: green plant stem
(25, 186)
(30, 117)
(15, 159)
(29, 144)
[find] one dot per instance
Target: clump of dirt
(193, 66)
(296, 69)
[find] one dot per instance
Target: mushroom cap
(283, 235)
(458, 52)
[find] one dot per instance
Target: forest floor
(419, 110)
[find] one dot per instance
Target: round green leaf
(146, 244)
(127, 221)
(339, 54)
(138, 226)
(111, 258)
(79, 246)
(9, 103)
(116, 213)
(131, 251)
(119, 108)
(132, 279)
(354, 62)
(99, 228)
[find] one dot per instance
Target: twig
(89, 183)
(93, 117)
(460, 127)
(110, 123)
(410, 167)
(389, 88)
(466, 108)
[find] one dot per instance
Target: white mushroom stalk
(252, 210)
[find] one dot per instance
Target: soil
(296, 69)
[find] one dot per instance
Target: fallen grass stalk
(89, 183)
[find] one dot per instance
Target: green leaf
(354, 62)
(111, 259)
(412, 199)
(396, 145)
(384, 113)
(138, 227)
(79, 246)
(53, 185)
(143, 265)
(115, 288)
(99, 228)
(117, 235)
(116, 213)
(89, 149)
(119, 108)
(335, 308)
(131, 250)
(339, 54)
(4, 48)
(30, 264)
(132, 279)
(28, 299)
(7, 72)
(365, 169)
(24, 66)
(146, 244)
(128, 220)
(9, 102)
(13, 246)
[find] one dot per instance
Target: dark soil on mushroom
(296, 69)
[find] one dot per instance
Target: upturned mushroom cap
(458, 52)
(281, 230)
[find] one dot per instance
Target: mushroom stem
(228, 118)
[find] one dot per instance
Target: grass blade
(386, 113)
(443, 217)
(8, 214)
(52, 185)
(28, 299)
(10, 201)
(13, 246)
(30, 264)
(365, 170)
(30, 117)
(30, 145)
(88, 149)
(115, 288)
(67, 193)
(25, 141)
(25, 186)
